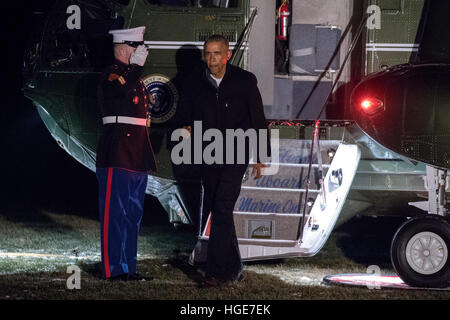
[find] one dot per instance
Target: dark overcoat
(235, 104)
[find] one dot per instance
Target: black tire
(413, 228)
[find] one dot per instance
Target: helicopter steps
(268, 214)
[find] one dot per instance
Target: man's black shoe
(139, 277)
(239, 279)
(130, 277)
(211, 282)
(122, 277)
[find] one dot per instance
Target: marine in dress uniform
(124, 154)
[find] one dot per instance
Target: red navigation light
(366, 104)
(371, 105)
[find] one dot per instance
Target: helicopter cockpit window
(88, 47)
(196, 3)
(77, 50)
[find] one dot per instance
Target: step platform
(269, 213)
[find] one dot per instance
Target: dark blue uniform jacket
(122, 93)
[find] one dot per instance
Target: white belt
(127, 120)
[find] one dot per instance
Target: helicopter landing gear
(420, 252)
(420, 248)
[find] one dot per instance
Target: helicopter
(331, 165)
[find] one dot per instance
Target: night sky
(37, 173)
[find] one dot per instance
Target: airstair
(292, 209)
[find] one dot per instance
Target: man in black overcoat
(223, 96)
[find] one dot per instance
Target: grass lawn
(35, 253)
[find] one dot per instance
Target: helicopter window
(89, 47)
(77, 50)
(196, 3)
(64, 51)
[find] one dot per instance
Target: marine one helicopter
(361, 112)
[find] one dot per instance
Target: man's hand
(139, 56)
(256, 171)
(188, 128)
(188, 133)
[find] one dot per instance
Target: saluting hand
(256, 170)
(139, 56)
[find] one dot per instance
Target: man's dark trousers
(222, 185)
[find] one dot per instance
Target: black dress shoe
(239, 279)
(211, 282)
(139, 277)
(121, 277)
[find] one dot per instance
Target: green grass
(163, 254)
(175, 281)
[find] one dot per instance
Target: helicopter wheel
(420, 252)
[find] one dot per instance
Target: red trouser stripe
(106, 222)
(208, 226)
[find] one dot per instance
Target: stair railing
(316, 138)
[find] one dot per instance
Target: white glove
(139, 56)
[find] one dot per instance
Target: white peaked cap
(122, 35)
